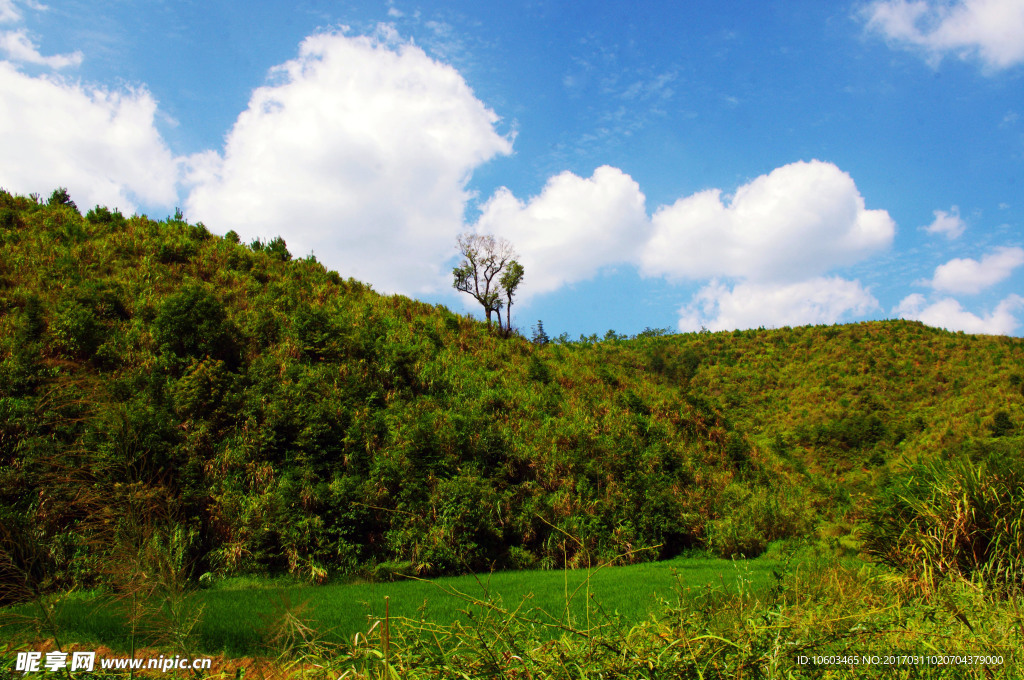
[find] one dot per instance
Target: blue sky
(716, 164)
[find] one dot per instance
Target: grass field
(805, 615)
(236, 613)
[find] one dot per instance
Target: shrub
(193, 324)
(315, 332)
(35, 321)
(197, 232)
(1001, 424)
(738, 450)
(134, 442)
(76, 333)
(201, 392)
(102, 215)
(239, 260)
(99, 215)
(170, 253)
(674, 366)
(758, 517)
(103, 299)
(537, 370)
(60, 197)
(852, 431)
(279, 249)
(961, 518)
(20, 374)
(8, 218)
(464, 529)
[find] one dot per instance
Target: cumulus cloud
(798, 221)
(9, 14)
(775, 238)
(19, 47)
(971, 276)
(750, 305)
(949, 314)
(101, 144)
(359, 150)
(990, 30)
(572, 229)
(947, 224)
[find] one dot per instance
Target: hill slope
(266, 414)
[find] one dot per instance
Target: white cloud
(101, 144)
(777, 236)
(750, 305)
(9, 14)
(948, 224)
(991, 30)
(359, 150)
(796, 222)
(19, 47)
(947, 313)
(572, 229)
(971, 276)
(9, 11)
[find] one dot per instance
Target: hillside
(265, 414)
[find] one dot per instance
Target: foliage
(194, 324)
(76, 333)
(278, 249)
(539, 336)
(60, 197)
(1002, 425)
(509, 282)
(961, 517)
(306, 424)
(103, 215)
(277, 418)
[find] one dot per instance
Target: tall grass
(959, 518)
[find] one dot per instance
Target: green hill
(269, 415)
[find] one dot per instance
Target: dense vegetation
(172, 397)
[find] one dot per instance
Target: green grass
(238, 612)
(692, 618)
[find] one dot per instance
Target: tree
(509, 281)
(194, 324)
(488, 270)
(540, 337)
(60, 197)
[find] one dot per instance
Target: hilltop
(268, 415)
